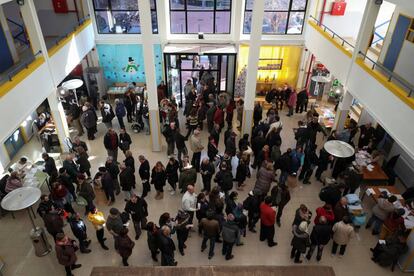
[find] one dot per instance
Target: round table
(339, 149)
(21, 198)
(73, 85)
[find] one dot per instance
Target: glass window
(281, 16)
(121, 16)
(194, 16)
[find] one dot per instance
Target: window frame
(288, 11)
(95, 10)
(214, 11)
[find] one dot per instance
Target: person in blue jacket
(120, 112)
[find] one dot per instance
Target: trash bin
(40, 242)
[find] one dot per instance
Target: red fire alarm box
(60, 6)
(338, 8)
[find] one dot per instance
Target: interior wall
(347, 25)
(385, 13)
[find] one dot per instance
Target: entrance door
(397, 41)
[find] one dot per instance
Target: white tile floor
(17, 252)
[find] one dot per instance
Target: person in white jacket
(343, 231)
(189, 202)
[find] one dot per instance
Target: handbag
(81, 201)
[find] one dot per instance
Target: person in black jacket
(107, 185)
(323, 162)
(84, 189)
(66, 181)
(258, 143)
(252, 205)
(302, 101)
(310, 162)
(138, 209)
(79, 231)
(212, 149)
(83, 162)
(320, 236)
(153, 233)
(313, 128)
(181, 147)
(45, 205)
(257, 113)
(301, 134)
(127, 180)
(111, 144)
(207, 171)
(224, 179)
(50, 167)
(158, 178)
(169, 134)
(280, 197)
(241, 172)
(124, 140)
(167, 247)
(113, 169)
(172, 174)
(144, 173)
(231, 144)
(130, 161)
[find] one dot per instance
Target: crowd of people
(216, 211)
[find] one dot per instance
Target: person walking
(172, 174)
(66, 253)
(144, 173)
(211, 230)
(267, 222)
(230, 233)
(300, 241)
(167, 247)
(120, 112)
(196, 147)
(124, 245)
(98, 221)
(158, 178)
(320, 236)
(207, 171)
(126, 180)
(111, 144)
(79, 231)
(343, 231)
(138, 209)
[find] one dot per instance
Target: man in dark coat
(65, 253)
(107, 185)
(320, 236)
(167, 247)
(181, 147)
(79, 231)
(231, 144)
(113, 169)
(302, 101)
(70, 167)
(258, 143)
(65, 179)
(111, 144)
(50, 167)
(252, 205)
(280, 197)
(169, 134)
(53, 222)
(144, 173)
(126, 180)
(138, 209)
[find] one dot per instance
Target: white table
(339, 149)
(20, 199)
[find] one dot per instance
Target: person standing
(302, 101)
(252, 205)
(120, 112)
(169, 134)
(181, 147)
(107, 185)
(182, 228)
(50, 167)
(188, 176)
(83, 162)
(280, 197)
(158, 178)
(138, 209)
(224, 179)
(113, 169)
(207, 171)
(291, 103)
(98, 221)
(107, 114)
(230, 233)
(167, 247)
(85, 190)
(71, 169)
(88, 120)
(211, 230)
(267, 222)
(53, 222)
(111, 144)
(212, 149)
(196, 147)
(366, 134)
(241, 172)
(172, 174)
(341, 209)
(343, 231)
(189, 203)
(144, 173)
(153, 233)
(320, 236)
(380, 212)
(126, 180)
(265, 177)
(79, 231)
(65, 252)
(124, 140)
(124, 245)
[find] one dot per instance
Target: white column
(252, 66)
(8, 35)
(149, 65)
(237, 20)
(343, 111)
(31, 22)
(302, 69)
(59, 118)
(367, 27)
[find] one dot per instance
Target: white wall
(348, 24)
(337, 62)
(405, 63)
(385, 13)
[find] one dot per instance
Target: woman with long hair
(158, 178)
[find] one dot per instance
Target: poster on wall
(125, 62)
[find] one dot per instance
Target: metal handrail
(324, 27)
(21, 32)
(24, 64)
(391, 75)
(377, 34)
(71, 29)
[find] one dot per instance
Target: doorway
(180, 68)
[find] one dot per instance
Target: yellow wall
(290, 68)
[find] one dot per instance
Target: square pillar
(343, 111)
(59, 118)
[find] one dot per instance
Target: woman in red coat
(65, 253)
(292, 101)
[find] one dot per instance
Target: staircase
(379, 36)
(19, 35)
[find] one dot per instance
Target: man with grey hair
(230, 233)
(167, 247)
(144, 173)
(196, 146)
(320, 236)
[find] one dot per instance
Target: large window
(121, 16)
(205, 16)
(281, 16)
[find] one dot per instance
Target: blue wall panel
(6, 59)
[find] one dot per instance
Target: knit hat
(303, 226)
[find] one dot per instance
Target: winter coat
(112, 169)
(180, 141)
(187, 177)
(172, 172)
(152, 240)
(275, 153)
(340, 211)
(264, 181)
(120, 110)
(280, 197)
(300, 240)
(53, 222)
(383, 208)
(195, 144)
(78, 228)
(138, 210)
(83, 162)
(88, 119)
(86, 191)
(130, 162)
(158, 179)
(342, 233)
(224, 180)
(230, 232)
(292, 99)
(66, 254)
(208, 169)
(144, 170)
(124, 141)
(210, 227)
(212, 151)
(71, 169)
(124, 245)
(231, 146)
(321, 234)
(50, 167)
(302, 97)
(111, 141)
(267, 215)
(127, 179)
(328, 214)
(241, 172)
(107, 113)
(167, 248)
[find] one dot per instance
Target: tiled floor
(17, 252)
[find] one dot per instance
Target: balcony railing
(392, 77)
(67, 32)
(331, 33)
(23, 64)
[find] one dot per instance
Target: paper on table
(381, 241)
(398, 196)
(409, 224)
(370, 191)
